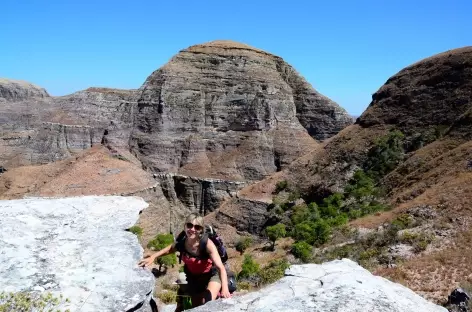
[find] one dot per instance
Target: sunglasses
(196, 226)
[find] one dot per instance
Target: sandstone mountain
(429, 102)
(227, 110)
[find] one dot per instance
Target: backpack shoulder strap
(203, 245)
(179, 244)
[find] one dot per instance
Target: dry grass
(92, 172)
(435, 275)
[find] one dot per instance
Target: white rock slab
(335, 286)
(77, 247)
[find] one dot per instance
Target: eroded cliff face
(38, 129)
(227, 110)
(17, 90)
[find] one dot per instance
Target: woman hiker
(206, 274)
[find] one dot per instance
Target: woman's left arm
(215, 257)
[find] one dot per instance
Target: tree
(159, 242)
(275, 232)
(243, 244)
(302, 250)
(249, 267)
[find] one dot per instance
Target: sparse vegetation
(281, 186)
(313, 224)
(243, 244)
(252, 276)
(120, 157)
(168, 297)
(275, 232)
(30, 302)
(159, 242)
(136, 230)
(385, 155)
(274, 271)
(302, 250)
(250, 268)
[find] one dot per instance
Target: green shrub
(403, 221)
(136, 230)
(275, 232)
(280, 186)
(409, 237)
(278, 211)
(29, 302)
(168, 297)
(159, 242)
(243, 244)
(314, 233)
(249, 267)
(419, 241)
(244, 285)
(273, 272)
(385, 155)
(369, 253)
(168, 286)
(322, 231)
(302, 250)
(339, 220)
(304, 232)
(360, 186)
(293, 196)
(300, 214)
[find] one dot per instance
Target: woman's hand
(146, 261)
(225, 292)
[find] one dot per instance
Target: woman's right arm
(163, 252)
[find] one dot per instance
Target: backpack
(208, 233)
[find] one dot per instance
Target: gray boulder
(339, 285)
(77, 247)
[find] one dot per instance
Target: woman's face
(192, 229)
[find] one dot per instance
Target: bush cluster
(243, 244)
(314, 223)
(136, 230)
(159, 242)
(251, 275)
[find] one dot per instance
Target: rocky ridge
(51, 245)
(17, 90)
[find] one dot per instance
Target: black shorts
(197, 284)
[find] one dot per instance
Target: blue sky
(345, 49)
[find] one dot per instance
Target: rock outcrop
(109, 112)
(227, 110)
(335, 286)
(73, 247)
(198, 194)
(434, 92)
(427, 101)
(40, 130)
(17, 90)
